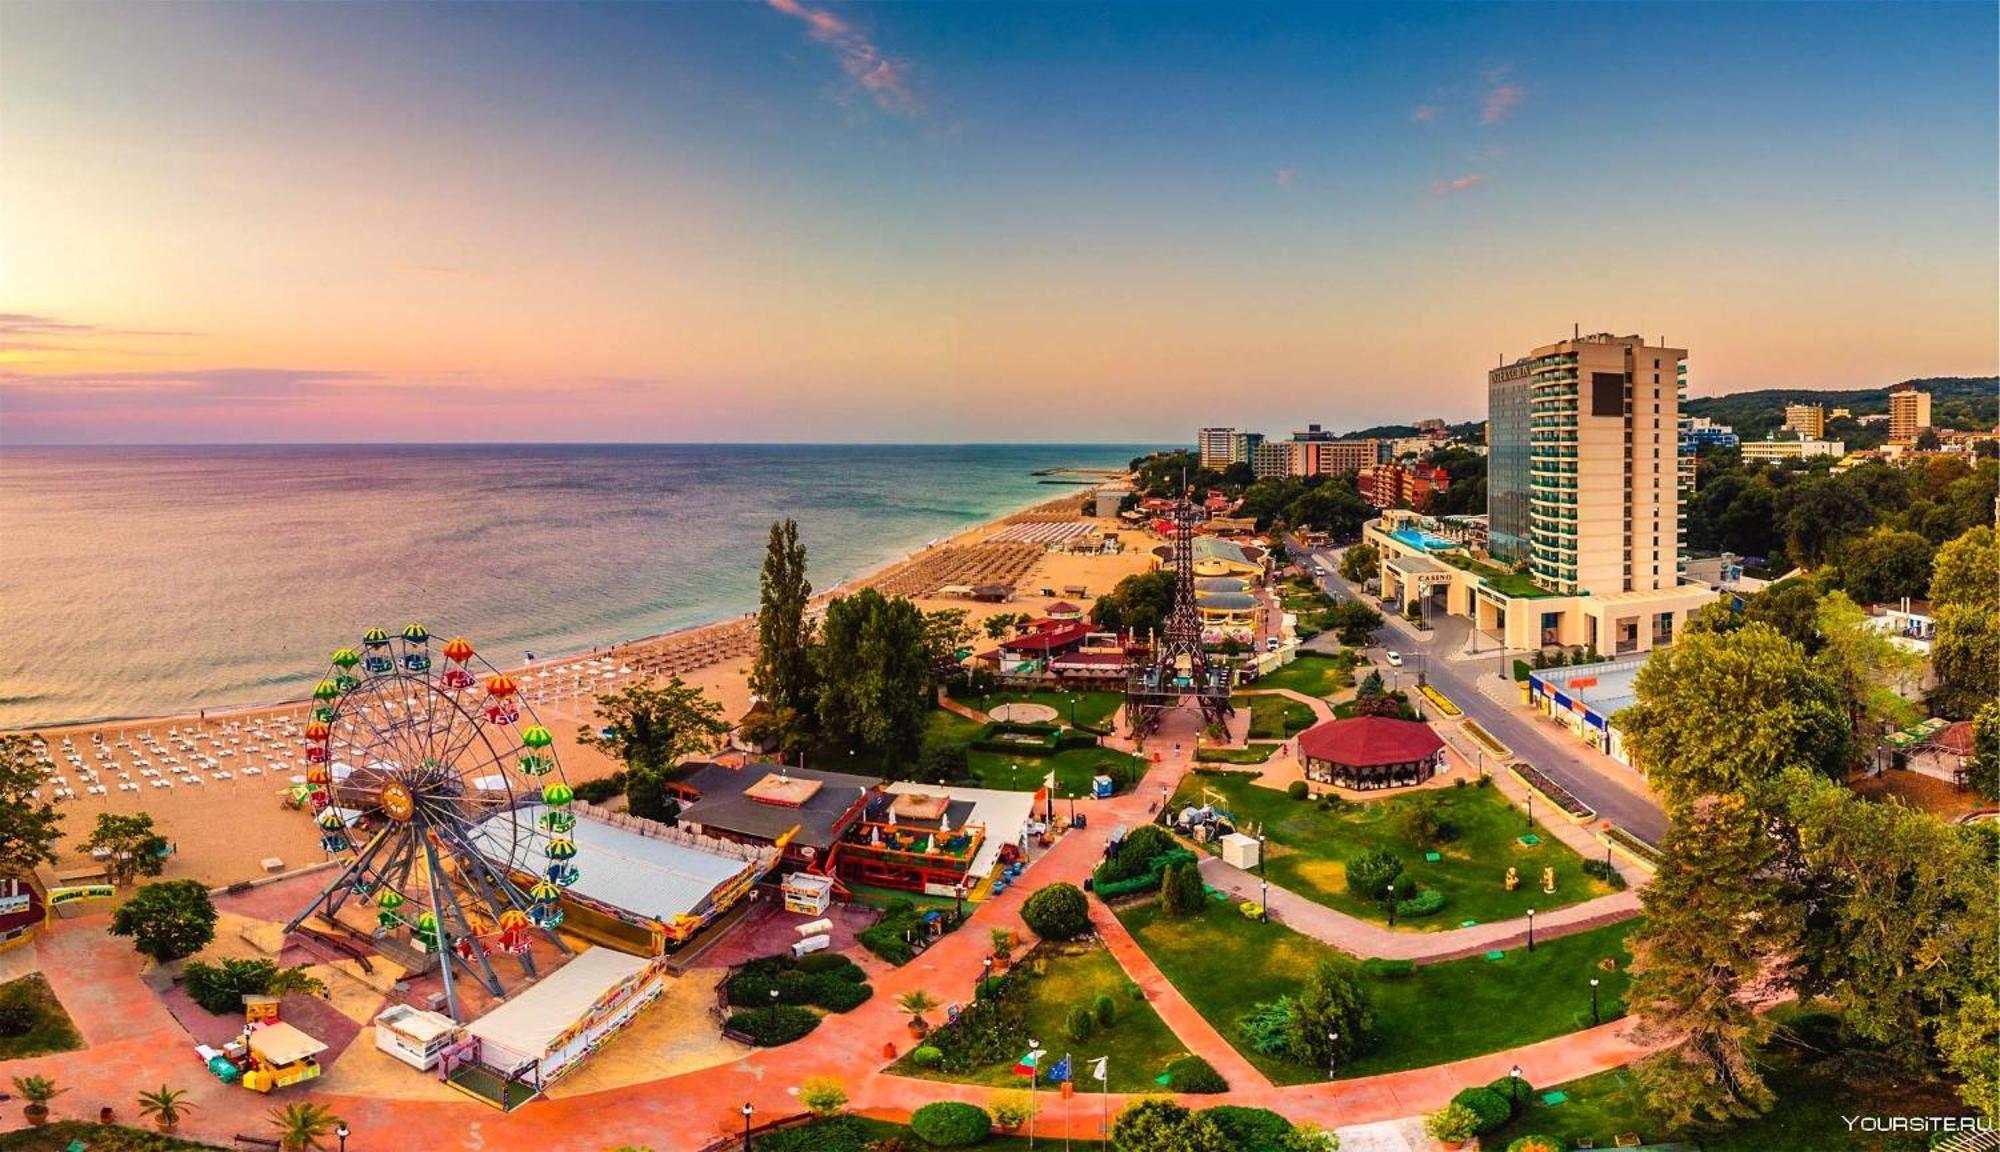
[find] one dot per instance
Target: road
(1587, 773)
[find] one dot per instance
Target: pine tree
(1713, 920)
(783, 675)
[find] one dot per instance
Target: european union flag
(1060, 1073)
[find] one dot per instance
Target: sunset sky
(804, 220)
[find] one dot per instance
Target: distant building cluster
(1312, 451)
(1401, 484)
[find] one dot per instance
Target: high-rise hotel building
(1583, 476)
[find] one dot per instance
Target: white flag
(1050, 783)
(1098, 1070)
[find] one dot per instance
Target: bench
(244, 1140)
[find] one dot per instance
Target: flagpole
(1104, 1094)
(1034, 1073)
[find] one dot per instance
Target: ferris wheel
(431, 780)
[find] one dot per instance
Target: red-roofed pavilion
(1367, 752)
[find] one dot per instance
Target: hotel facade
(1584, 487)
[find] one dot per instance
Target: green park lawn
(1440, 1013)
(941, 727)
(1093, 709)
(1274, 717)
(1249, 754)
(1312, 675)
(1815, 1086)
(50, 1029)
(1139, 1043)
(1074, 769)
(1310, 845)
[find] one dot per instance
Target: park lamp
(341, 1133)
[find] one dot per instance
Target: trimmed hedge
(950, 1124)
(770, 1027)
(1251, 1129)
(1424, 903)
(1057, 912)
(835, 1134)
(1490, 1107)
(834, 983)
(1506, 1087)
(1147, 881)
(1192, 1074)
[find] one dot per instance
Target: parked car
(1395, 659)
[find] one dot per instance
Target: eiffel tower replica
(1177, 670)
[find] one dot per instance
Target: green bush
(1181, 891)
(1371, 872)
(1251, 1129)
(831, 964)
(1489, 1108)
(1534, 1143)
(1389, 969)
(770, 1027)
(1267, 1026)
(1147, 880)
(220, 988)
(950, 1124)
(601, 789)
(1516, 1093)
(838, 995)
(1452, 1124)
(1297, 790)
(1605, 871)
(1105, 1009)
(1137, 852)
(1192, 1074)
(926, 1057)
(1425, 903)
(1079, 1023)
(1057, 912)
(836, 1134)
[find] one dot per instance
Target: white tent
(540, 1032)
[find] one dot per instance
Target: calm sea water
(141, 581)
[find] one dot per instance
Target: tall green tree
(1824, 512)
(1867, 668)
(1965, 653)
(167, 920)
(1139, 603)
(875, 672)
(1967, 570)
(1886, 565)
(782, 675)
(1729, 712)
(946, 634)
(651, 727)
(1361, 562)
(1330, 1004)
(133, 845)
(29, 826)
(1713, 920)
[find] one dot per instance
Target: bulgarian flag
(1027, 1064)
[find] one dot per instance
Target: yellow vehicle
(280, 1055)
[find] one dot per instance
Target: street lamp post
(1263, 882)
(1531, 929)
(1514, 1086)
(341, 1132)
(747, 1110)
(1531, 809)
(986, 975)
(1389, 897)
(1593, 1002)
(774, 1006)
(1332, 1052)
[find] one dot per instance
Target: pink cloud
(885, 80)
(1501, 97)
(1425, 113)
(1464, 183)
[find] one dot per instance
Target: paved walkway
(135, 1043)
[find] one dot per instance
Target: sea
(150, 581)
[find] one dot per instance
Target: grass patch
(1313, 675)
(59, 1135)
(1310, 845)
(1440, 1013)
(1075, 768)
(941, 727)
(1093, 709)
(1814, 1089)
(1138, 1042)
(1252, 754)
(49, 1029)
(1274, 717)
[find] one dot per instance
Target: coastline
(845, 586)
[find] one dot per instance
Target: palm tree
(37, 1091)
(302, 1124)
(917, 1002)
(165, 1106)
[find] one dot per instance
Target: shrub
(168, 919)
(831, 964)
(1079, 1024)
(1369, 873)
(1389, 969)
(1251, 1129)
(1057, 912)
(1297, 790)
(1452, 1124)
(1133, 991)
(926, 1057)
(1181, 889)
(1148, 880)
(770, 1027)
(1421, 820)
(1013, 1108)
(1533, 1143)
(943, 763)
(1489, 1108)
(950, 1124)
(1425, 903)
(1195, 1075)
(1106, 1010)
(1605, 871)
(838, 995)
(1165, 1124)
(837, 1134)
(1516, 1093)
(601, 789)
(220, 988)
(17, 1015)
(1135, 854)
(796, 988)
(1267, 1026)
(823, 1096)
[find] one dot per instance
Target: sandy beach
(214, 781)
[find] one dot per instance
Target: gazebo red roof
(1369, 741)
(1061, 634)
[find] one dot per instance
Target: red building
(1401, 485)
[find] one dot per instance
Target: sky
(808, 220)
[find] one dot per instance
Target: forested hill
(1968, 402)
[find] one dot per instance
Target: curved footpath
(136, 1044)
